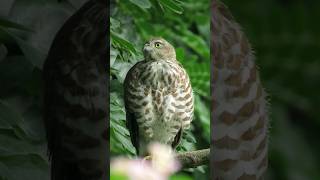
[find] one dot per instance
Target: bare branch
(194, 158)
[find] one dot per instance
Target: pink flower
(163, 159)
(136, 169)
(161, 166)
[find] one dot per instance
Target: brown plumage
(75, 96)
(158, 97)
(239, 118)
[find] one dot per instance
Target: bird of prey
(76, 97)
(158, 97)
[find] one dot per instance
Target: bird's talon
(147, 158)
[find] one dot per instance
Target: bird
(239, 126)
(76, 98)
(158, 97)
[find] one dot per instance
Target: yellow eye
(157, 45)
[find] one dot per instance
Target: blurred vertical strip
(239, 111)
(285, 37)
(107, 58)
(76, 96)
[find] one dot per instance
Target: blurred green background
(186, 25)
(285, 36)
(27, 28)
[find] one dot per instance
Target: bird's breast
(160, 74)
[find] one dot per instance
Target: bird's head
(158, 49)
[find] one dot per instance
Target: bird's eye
(157, 45)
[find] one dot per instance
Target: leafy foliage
(184, 24)
(26, 32)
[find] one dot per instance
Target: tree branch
(194, 158)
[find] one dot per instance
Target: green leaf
(180, 177)
(114, 23)
(200, 169)
(144, 4)
(123, 43)
(9, 118)
(126, 143)
(173, 5)
(190, 138)
(117, 176)
(117, 103)
(180, 54)
(12, 119)
(116, 147)
(26, 167)
(199, 74)
(15, 146)
(15, 82)
(115, 85)
(113, 55)
(35, 56)
(33, 123)
(122, 130)
(123, 68)
(196, 43)
(3, 51)
(202, 113)
(9, 24)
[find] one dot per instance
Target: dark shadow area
(285, 37)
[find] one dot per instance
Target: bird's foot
(147, 158)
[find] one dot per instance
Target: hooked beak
(147, 47)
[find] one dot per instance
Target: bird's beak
(147, 48)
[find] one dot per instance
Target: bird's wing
(177, 139)
(186, 98)
(184, 101)
(131, 120)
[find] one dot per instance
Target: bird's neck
(160, 74)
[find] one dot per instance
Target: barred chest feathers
(163, 99)
(161, 74)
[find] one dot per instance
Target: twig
(194, 158)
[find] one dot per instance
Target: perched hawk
(76, 97)
(158, 97)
